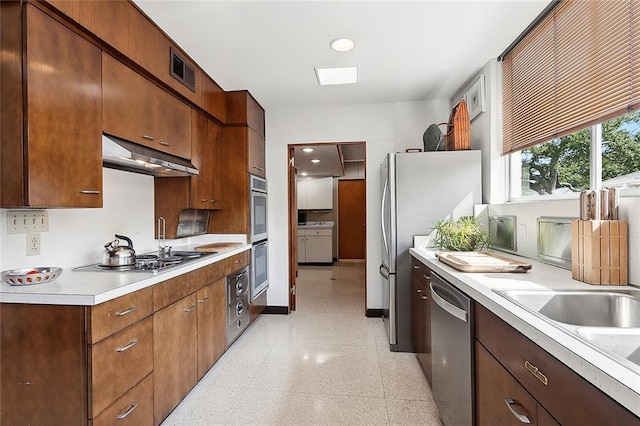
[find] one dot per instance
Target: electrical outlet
(26, 221)
(33, 244)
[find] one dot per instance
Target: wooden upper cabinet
(57, 162)
(256, 165)
(242, 108)
(80, 11)
(212, 97)
(137, 110)
(206, 142)
(148, 46)
(111, 22)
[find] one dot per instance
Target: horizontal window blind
(580, 65)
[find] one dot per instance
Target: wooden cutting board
(218, 247)
(474, 261)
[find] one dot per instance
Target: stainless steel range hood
(124, 155)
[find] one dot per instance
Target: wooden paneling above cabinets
(50, 111)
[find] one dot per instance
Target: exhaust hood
(124, 155)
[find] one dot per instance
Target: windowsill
(624, 192)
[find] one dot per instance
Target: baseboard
(278, 310)
(374, 313)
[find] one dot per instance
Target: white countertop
(317, 225)
(90, 288)
(615, 379)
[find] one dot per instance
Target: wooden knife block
(599, 253)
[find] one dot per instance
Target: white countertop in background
(615, 379)
(90, 288)
(317, 225)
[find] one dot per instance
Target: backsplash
(528, 214)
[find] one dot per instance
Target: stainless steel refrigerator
(416, 190)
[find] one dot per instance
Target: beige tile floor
(325, 364)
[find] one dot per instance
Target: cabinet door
(64, 160)
(320, 194)
(500, 399)
(112, 22)
(425, 352)
(211, 325)
(174, 355)
(148, 46)
(301, 248)
(212, 98)
(256, 163)
(173, 123)
(416, 316)
(135, 408)
(78, 10)
(319, 248)
(205, 188)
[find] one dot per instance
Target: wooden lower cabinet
(175, 354)
(134, 408)
(421, 315)
(501, 400)
(211, 325)
(556, 390)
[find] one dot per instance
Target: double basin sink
(608, 319)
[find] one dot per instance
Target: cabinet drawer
(566, 395)
(494, 387)
(134, 408)
(119, 362)
(420, 271)
(174, 289)
(233, 263)
(323, 232)
(114, 315)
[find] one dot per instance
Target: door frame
(292, 209)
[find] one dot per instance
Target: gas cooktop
(150, 262)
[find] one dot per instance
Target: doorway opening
(327, 222)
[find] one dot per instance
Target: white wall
(383, 127)
(78, 236)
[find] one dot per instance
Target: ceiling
(405, 50)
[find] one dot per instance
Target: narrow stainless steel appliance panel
(259, 269)
(258, 204)
(389, 315)
(452, 352)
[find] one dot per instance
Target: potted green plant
(464, 234)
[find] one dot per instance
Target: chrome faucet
(164, 251)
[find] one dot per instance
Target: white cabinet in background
(315, 194)
(315, 245)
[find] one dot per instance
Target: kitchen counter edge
(92, 288)
(612, 378)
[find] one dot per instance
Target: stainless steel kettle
(117, 255)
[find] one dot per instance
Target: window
(571, 99)
(606, 155)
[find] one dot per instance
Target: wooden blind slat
(579, 66)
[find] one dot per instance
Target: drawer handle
(204, 299)
(259, 168)
(419, 290)
(165, 143)
(204, 200)
(213, 201)
(427, 277)
(238, 261)
(128, 411)
(148, 137)
(416, 267)
(126, 311)
(423, 297)
(190, 308)
(536, 372)
(127, 346)
(521, 417)
(89, 192)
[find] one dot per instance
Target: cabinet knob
(190, 308)
(204, 200)
(165, 143)
(213, 201)
(259, 168)
(148, 137)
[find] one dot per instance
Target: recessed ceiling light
(337, 75)
(303, 174)
(342, 45)
(307, 149)
(315, 161)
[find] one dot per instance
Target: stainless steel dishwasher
(452, 352)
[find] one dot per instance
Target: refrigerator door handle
(382, 209)
(383, 271)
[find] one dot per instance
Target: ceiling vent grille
(182, 71)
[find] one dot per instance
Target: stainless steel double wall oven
(259, 250)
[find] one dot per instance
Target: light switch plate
(25, 221)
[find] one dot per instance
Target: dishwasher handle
(461, 314)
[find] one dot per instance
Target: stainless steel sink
(592, 308)
(608, 320)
